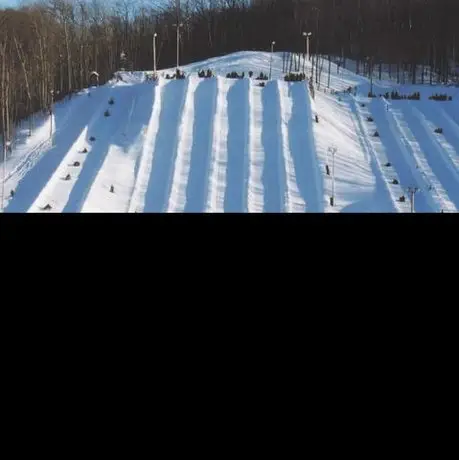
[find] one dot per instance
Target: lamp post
(306, 35)
(315, 61)
(154, 53)
(333, 150)
(370, 70)
(51, 116)
(271, 59)
(178, 40)
(4, 168)
(412, 191)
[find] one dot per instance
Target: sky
(4, 3)
(14, 3)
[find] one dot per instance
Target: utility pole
(412, 191)
(454, 53)
(4, 169)
(306, 35)
(51, 117)
(154, 53)
(333, 150)
(371, 75)
(271, 59)
(317, 46)
(329, 70)
(178, 40)
(178, 25)
(370, 71)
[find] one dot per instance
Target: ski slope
(229, 145)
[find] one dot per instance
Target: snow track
(201, 153)
(451, 130)
(303, 171)
(143, 166)
(67, 195)
(378, 160)
(182, 166)
(400, 156)
(443, 147)
(274, 169)
(38, 167)
(107, 131)
(229, 145)
(165, 146)
(255, 190)
(431, 196)
(238, 146)
(64, 111)
(432, 161)
(119, 168)
(294, 202)
(219, 160)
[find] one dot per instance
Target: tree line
(48, 49)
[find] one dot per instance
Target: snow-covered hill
(229, 145)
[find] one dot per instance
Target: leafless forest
(54, 45)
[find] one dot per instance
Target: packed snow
(230, 145)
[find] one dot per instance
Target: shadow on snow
(273, 168)
(205, 99)
(237, 146)
(165, 148)
(36, 178)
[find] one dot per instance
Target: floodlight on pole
(306, 35)
(412, 191)
(178, 40)
(333, 151)
(370, 71)
(154, 52)
(271, 59)
(4, 171)
(51, 117)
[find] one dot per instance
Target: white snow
(255, 193)
(219, 159)
(137, 201)
(294, 202)
(227, 145)
(177, 200)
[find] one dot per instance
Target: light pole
(315, 59)
(306, 35)
(412, 191)
(51, 116)
(271, 59)
(154, 53)
(178, 40)
(4, 168)
(333, 150)
(370, 69)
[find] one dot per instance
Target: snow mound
(231, 145)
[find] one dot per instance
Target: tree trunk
(329, 69)
(69, 58)
(21, 58)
